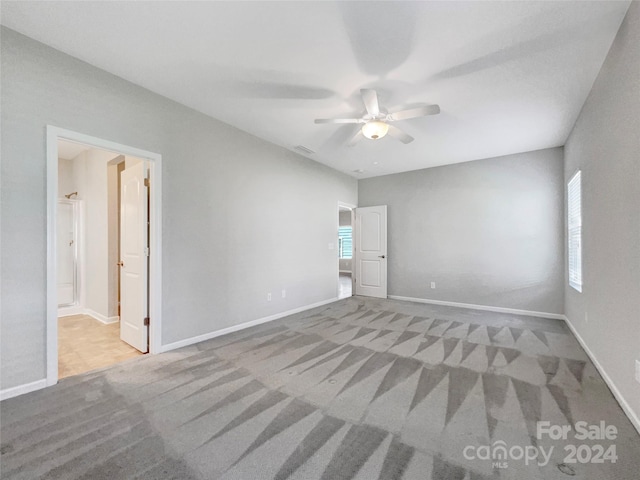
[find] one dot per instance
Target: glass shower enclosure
(67, 252)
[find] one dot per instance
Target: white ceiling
(508, 76)
(70, 150)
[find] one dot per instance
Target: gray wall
(344, 218)
(224, 192)
(605, 145)
(488, 232)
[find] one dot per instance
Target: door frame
(351, 207)
(155, 238)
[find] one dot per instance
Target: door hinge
(146, 251)
(146, 182)
(146, 321)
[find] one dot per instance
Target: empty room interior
(393, 240)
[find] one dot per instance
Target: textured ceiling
(509, 76)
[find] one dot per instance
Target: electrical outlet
(284, 293)
(433, 284)
(638, 371)
(269, 297)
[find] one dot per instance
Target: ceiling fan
(376, 123)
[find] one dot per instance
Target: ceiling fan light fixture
(375, 129)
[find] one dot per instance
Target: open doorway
(95, 218)
(103, 261)
(345, 251)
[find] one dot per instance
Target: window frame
(574, 231)
(341, 246)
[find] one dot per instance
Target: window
(345, 242)
(574, 209)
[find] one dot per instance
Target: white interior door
(133, 256)
(371, 251)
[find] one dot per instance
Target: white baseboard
(100, 317)
(515, 311)
(22, 389)
(68, 311)
(633, 416)
(207, 336)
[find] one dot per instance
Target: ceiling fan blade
(370, 99)
(337, 120)
(398, 134)
(414, 112)
(356, 138)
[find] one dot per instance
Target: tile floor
(345, 285)
(86, 344)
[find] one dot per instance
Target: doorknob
(381, 256)
(120, 264)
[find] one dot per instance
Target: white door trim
(155, 238)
